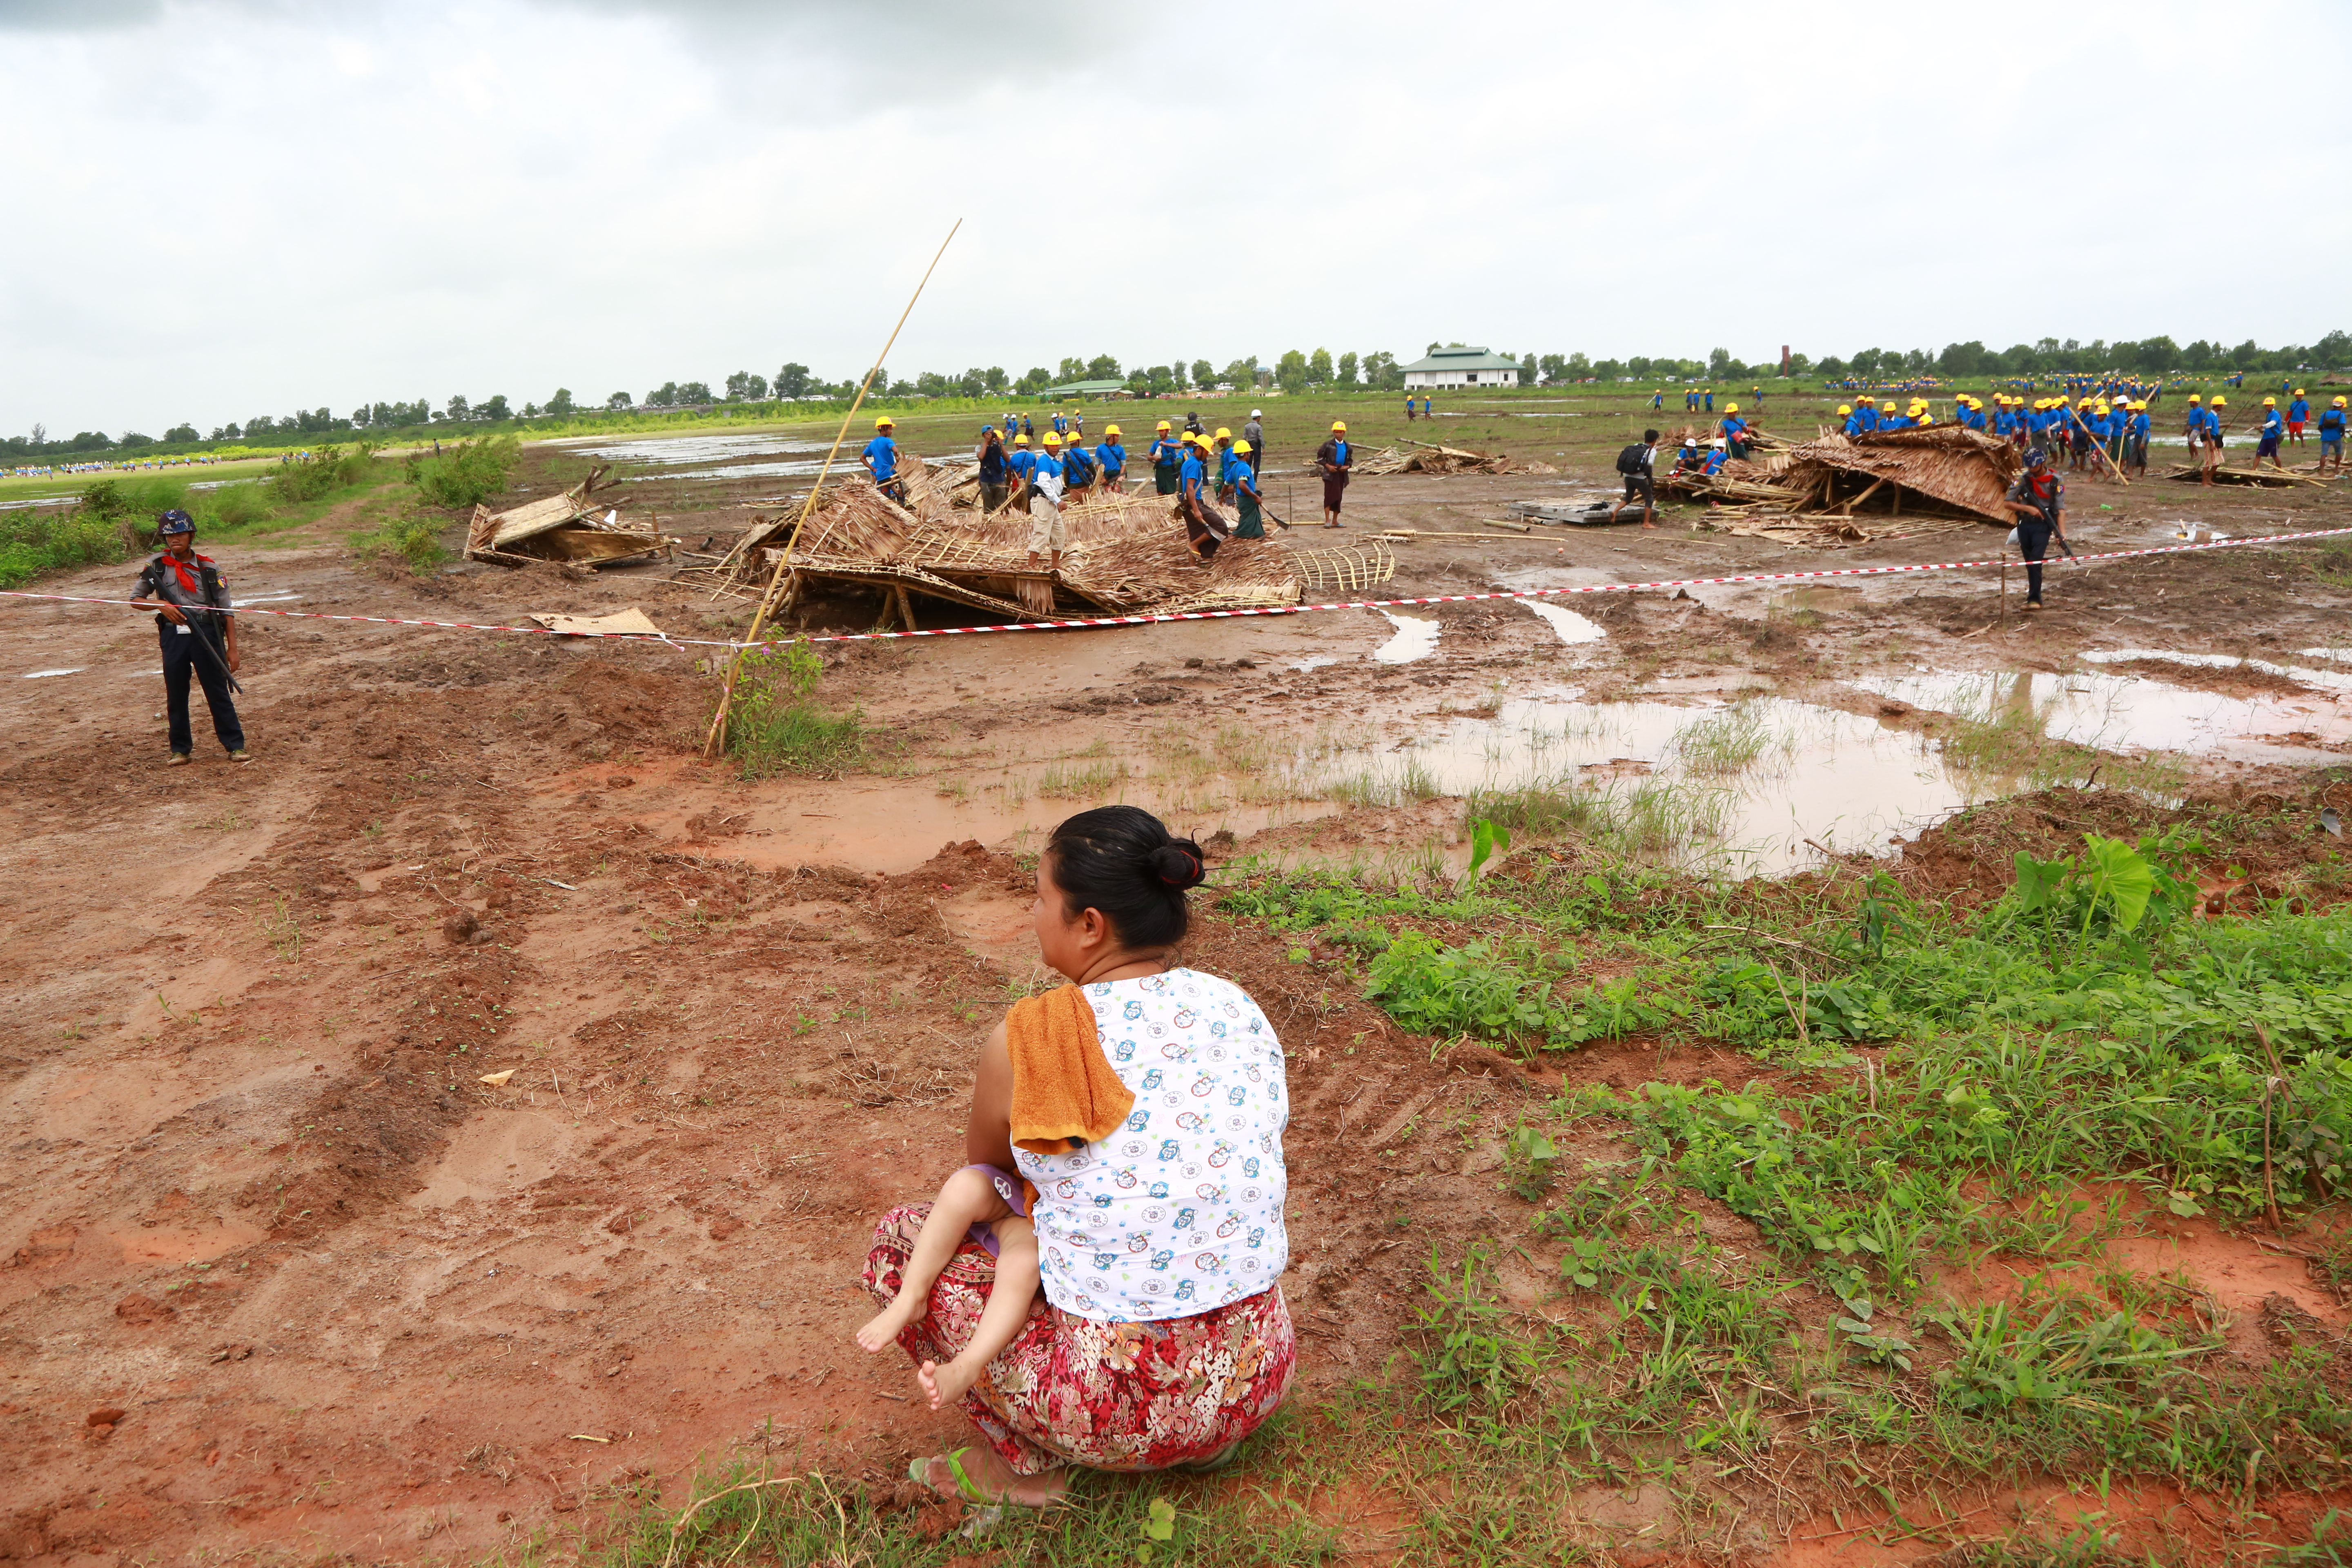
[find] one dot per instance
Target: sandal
(918, 1471)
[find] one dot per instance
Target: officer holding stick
(198, 633)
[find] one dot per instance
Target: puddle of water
(2331, 679)
(2115, 713)
(279, 597)
(1816, 597)
(703, 448)
(1415, 638)
(1732, 787)
(1573, 628)
(1314, 661)
(44, 674)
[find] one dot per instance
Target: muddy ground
(280, 1272)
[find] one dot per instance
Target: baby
(988, 1204)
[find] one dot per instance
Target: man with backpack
(1638, 463)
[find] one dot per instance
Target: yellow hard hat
(1165, 425)
(1110, 429)
(2298, 391)
(1731, 408)
(2220, 400)
(883, 423)
(1052, 439)
(1888, 407)
(1224, 434)
(2194, 399)
(1845, 408)
(2270, 403)
(1241, 446)
(1020, 440)
(2102, 408)
(1341, 426)
(2339, 400)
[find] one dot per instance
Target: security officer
(197, 635)
(2039, 500)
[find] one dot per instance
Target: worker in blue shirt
(1852, 421)
(2273, 431)
(881, 461)
(1061, 425)
(1248, 521)
(1658, 398)
(1078, 470)
(1112, 458)
(1024, 464)
(1204, 528)
(1716, 456)
(1407, 409)
(1011, 428)
(2331, 436)
(2298, 414)
(1734, 430)
(1710, 400)
(1167, 456)
(2136, 438)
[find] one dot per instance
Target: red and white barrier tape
(1247, 610)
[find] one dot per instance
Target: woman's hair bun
(1122, 860)
(1177, 861)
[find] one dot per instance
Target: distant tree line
(1293, 371)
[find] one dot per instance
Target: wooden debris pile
(2267, 479)
(1127, 555)
(571, 528)
(1838, 489)
(1429, 458)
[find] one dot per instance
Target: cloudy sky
(229, 207)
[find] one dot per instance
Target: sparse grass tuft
(776, 726)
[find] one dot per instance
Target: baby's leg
(999, 1321)
(968, 1199)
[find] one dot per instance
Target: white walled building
(1462, 367)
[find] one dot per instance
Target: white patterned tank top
(1180, 1211)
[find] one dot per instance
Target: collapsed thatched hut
(1128, 555)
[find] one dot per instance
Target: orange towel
(1065, 1094)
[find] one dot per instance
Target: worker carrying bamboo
(2039, 500)
(199, 634)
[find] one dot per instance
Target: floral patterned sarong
(1111, 1396)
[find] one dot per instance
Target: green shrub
(413, 540)
(776, 728)
(467, 474)
(328, 468)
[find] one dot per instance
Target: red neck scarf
(188, 580)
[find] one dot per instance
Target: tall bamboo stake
(717, 739)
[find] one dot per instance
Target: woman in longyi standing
(1143, 1108)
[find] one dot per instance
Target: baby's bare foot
(943, 1385)
(883, 1330)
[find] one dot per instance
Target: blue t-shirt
(2298, 411)
(1079, 467)
(2331, 424)
(1339, 453)
(883, 453)
(2140, 425)
(1854, 424)
(1716, 457)
(1048, 464)
(1240, 476)
(1167, 452)
(2273, 423)
(1023, 462)
(1112, 457)
(1192, 474)
(1734, 426)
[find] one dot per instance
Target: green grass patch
(775, 725)
(467, 474)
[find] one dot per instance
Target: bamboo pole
(715, 740)
(2097, 445)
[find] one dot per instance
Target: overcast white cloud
(238, 207)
